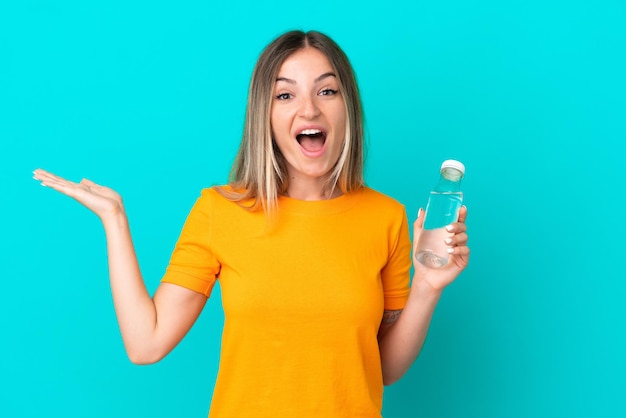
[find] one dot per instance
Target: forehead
(305, 61)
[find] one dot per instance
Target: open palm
(101, 200)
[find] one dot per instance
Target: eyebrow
(318, 79)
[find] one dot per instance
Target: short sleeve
(396, 274)
(193, 265)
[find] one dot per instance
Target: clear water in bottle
(442, 210)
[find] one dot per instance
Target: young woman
(313, 265)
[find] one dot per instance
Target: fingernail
(450, 250)
(448, 241)
(449, 228)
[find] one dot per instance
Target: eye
(283, 96)
(328, 92)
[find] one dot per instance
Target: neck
(314, 189)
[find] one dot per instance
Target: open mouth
(311, 140)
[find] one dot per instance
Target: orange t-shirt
(303, 295)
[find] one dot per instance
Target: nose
(308, 107)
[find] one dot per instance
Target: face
(308, 116)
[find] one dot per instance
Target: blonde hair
(259, 173)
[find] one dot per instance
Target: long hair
(259, 173)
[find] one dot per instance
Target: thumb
(418, 227)
(88, 182)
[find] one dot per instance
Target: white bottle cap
(453, 164)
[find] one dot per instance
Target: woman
(313, 265)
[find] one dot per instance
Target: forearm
(135, 310)
(403, 341)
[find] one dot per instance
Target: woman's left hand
(439, 278)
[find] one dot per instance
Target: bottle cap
(453, 164)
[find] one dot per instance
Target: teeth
(310, 132)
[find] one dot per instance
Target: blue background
(148, 98)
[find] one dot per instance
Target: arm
(150, 327)
(402, 333)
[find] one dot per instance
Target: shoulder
(220, 194)
(210, 198)
(225, 202)
(216, 191)
(377, 209)
(207, 196)
(370, 193)
(379, 201)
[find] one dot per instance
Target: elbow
(141, 361)
(392, 373)
(142, 357)
(389, 380)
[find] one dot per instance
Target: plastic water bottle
(442, 209)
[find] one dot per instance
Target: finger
(47, 177)
(41, 175)
(66, 187)
(38, 172)
(457, 240)
(417, 227)
(59, 184)
(460, 255)
(89, 183)
(462, 214)
(456, 228)
(461, 250)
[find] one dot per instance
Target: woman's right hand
(103, 201)
(176, 307)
